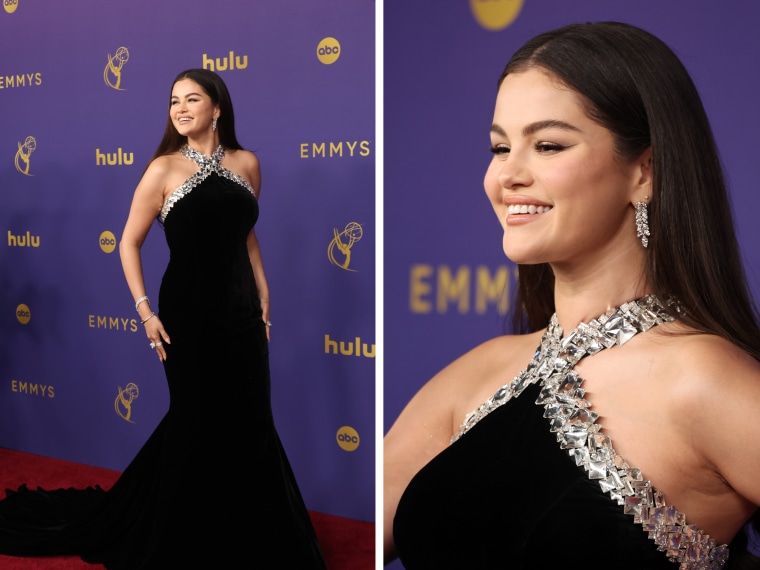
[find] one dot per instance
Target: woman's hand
(157, 336)
(265, 316)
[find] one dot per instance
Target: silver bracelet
(149, 317)
(140, 300)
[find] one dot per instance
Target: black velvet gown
(212, 487)
(532, 484)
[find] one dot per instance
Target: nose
(514, 173)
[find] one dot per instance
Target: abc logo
(107, 241)
(23, 314)
(347, 438)
(495, 14)
(328, 50)
(10, 5)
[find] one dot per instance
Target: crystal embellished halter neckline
(201, 159)
(577, 431)
(207, 165)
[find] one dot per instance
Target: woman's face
(191, 109)
(559, 190)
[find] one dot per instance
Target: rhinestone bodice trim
(575, 424)
(206, 166)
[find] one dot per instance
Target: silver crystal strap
(206, 166)
(577, 431)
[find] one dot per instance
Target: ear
(642, 187)
(217, 112)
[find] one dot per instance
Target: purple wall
(310, 121)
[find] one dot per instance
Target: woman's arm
(146, 204)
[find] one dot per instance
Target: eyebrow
(533, 128)
(186, 96)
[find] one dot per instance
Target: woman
(212, 487)
(632, 438)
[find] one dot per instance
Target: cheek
(491, 183)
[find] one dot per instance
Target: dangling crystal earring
(642, 222)
(213, 124)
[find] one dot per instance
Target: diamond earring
(642, 223)
(213, 125)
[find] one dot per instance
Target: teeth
(527, 209)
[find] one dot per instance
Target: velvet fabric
(212, 486)
(506, 496)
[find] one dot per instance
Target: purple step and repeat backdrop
(84, 90)
(444, 269)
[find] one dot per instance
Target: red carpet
(347, 544)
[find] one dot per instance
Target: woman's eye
(549, 147)
(500, 149)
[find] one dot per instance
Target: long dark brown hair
(635, 86)
(215, 88)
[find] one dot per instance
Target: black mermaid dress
(212, 487)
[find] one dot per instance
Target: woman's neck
(582, 295)
(205, 145)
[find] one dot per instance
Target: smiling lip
(516, 209)
(523, 212)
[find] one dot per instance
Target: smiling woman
(615, 443)
(212, 329)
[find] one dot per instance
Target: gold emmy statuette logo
(23, 314)
(10, 5)
(495, 15)
(107, 241)
(21, 159)
(343, 242)
(112, 71)
(328, 50)
(347, 438)
(123, 402)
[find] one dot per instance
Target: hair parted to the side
(635, 86)
(215, 88)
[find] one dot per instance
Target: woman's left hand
(265, 317)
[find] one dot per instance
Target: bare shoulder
(246, 164)
(243, 160)
(474, 377)
(709, 382)
(709, 362)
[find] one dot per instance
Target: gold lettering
(453, 288)
(14, 386)
(419, 288)
(133, 325)
(91, 321)
(336, 149)
(364, 148)
(351, 147)
(304, 150)
(491, 290)
(102, 321)
(124, 323)
(318, 149)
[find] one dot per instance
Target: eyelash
(540, 147)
